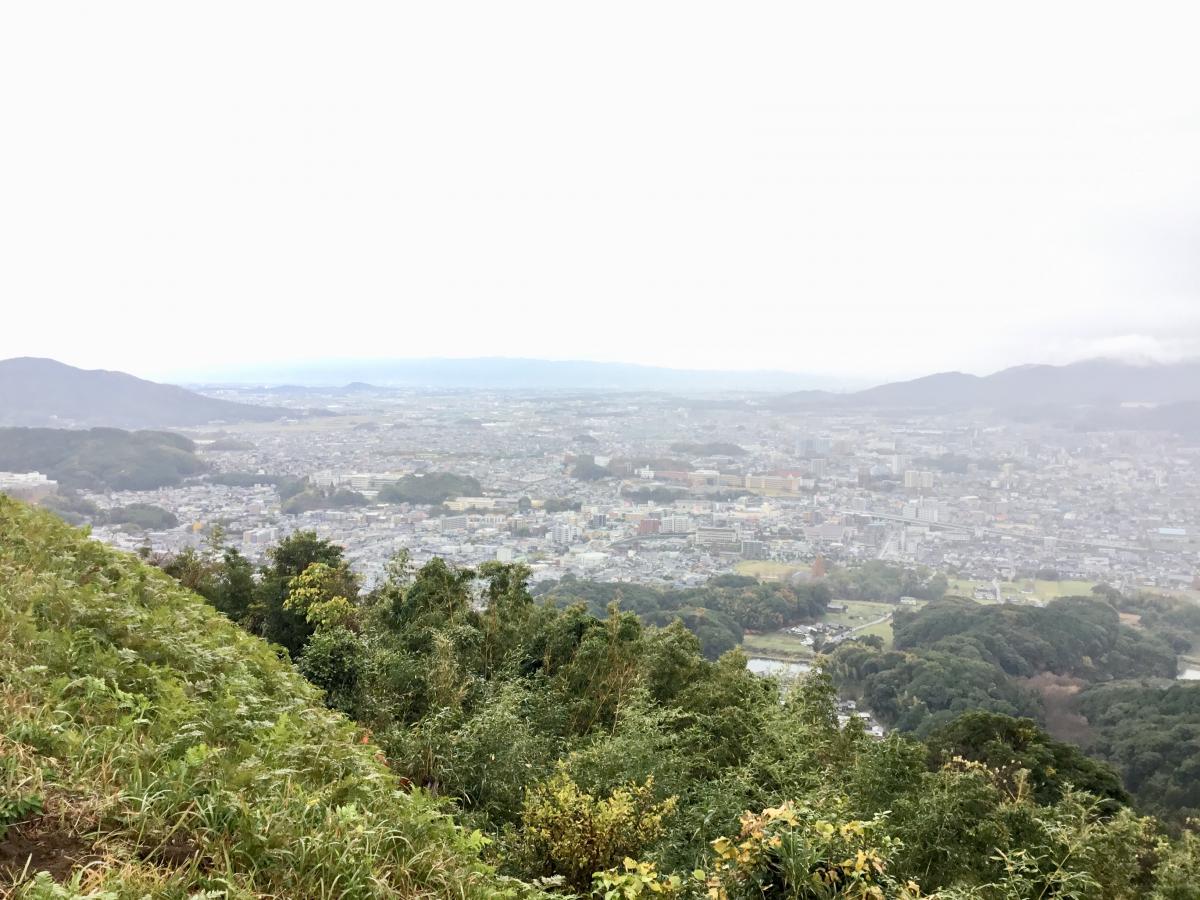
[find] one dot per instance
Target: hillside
(144, 735)
(149, 747)
(46, 392)
(1101, 383)
(100, 458)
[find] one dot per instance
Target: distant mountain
(49, 393)
(498, 373)
(1098, 383)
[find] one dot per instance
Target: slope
(1098, 382)
(46, 392)
(145, 737)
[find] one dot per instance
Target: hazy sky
(861, 189)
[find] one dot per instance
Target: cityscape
(657, 489)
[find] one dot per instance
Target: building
(717, 537)
(916, 480)
(27, 485)
(676, 525)
(565, 533)
(754, 549)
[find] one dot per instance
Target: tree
(570, 833)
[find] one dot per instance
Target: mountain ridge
(1094, 382)
(36, 391)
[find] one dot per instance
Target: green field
(1024, 589)
(766, 569)
(860, 612)
(781, 645)
(776, 645)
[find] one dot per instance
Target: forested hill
(151, 746)
(1073, 666)
(100, 458)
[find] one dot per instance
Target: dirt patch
(1058, 703)
(41, 846)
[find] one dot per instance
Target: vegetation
(322, 498)
(885, 582)
(1079, 636)
(586, 469)
(1072, 665)
(100, 458)
(594, 755)
(1151, 734)
(143, 733)
(718, 614)
(430, 488)
(145, 516)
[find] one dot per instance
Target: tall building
(564, 533)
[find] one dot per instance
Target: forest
(100, 458)
(1122, 702)
(718, 613)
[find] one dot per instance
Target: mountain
(498, 373)
(46, 392)
(1093, 383)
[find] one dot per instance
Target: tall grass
(177, 755)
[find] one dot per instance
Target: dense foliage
(1080, 636)
(1151, 734)
(1072, 665)
(100, 458)
(286, 484)
(717, 613)
(322, 498)
(954, 655)
(886, 582)
(431, 488)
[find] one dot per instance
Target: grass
(777, 645)
(767, 570)
(1023, 589)
(860, 612)
(782, 645)
(156, 749)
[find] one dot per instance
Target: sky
(862, 190)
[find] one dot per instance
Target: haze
(869, 192)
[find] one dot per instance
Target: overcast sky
(860, 190)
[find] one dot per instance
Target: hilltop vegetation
(100, 458)
(145, 734)
(598, 751)
(431, 488)
(718, 613)
(1072, 665)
